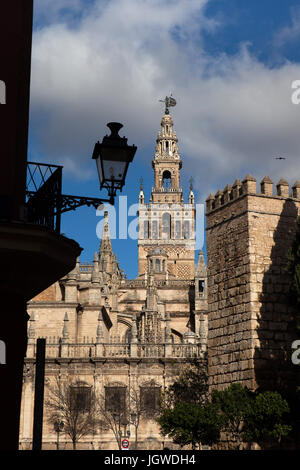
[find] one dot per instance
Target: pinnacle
(201, 267)
(105, 244)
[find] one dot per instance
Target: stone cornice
(57, 304)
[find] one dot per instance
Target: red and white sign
(125, 444)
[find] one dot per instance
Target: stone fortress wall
(250, 324)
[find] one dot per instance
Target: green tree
(234, 404)
(191, 386)
(265, 420)
(191, 423)
(186, 416)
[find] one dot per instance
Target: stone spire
(108, 264)
(201, 268)
(107, 260)
(105, 244)
(65, 331)
(191, 195)
(141, 195)
(95, 272)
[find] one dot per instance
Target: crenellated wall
(231, 194)
(250, 324)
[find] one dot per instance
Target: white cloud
(233, 114)
(289, 33)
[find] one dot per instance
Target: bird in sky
(279, 158)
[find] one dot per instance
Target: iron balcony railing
(44, 199)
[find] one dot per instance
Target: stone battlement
(250, 321)
(248, 186)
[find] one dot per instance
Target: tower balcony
(166, 190)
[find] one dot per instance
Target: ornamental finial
(169, 101)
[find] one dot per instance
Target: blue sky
(229, 64)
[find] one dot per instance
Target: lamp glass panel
(99, 168)
(114, 170)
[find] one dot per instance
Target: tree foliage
(191, 423)
(190, 387)
(265, 418)
(233, 403)
(186, 416)
(244, 415)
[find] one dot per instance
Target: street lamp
(112, 157)
(45, 201)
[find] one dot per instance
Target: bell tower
(166, 165)
(167, 221)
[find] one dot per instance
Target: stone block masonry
(250, 323)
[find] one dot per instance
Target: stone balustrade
(122, 350)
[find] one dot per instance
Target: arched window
(166, 225)
(115, 399)
(157, 265)
(186, 229)
(150, 399)
(146, 229)
(201, 285)
(80, 396)
(178, 229)
(154, 229)
(166, 181)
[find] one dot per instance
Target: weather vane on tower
(169, 101)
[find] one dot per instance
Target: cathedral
(125, 340)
